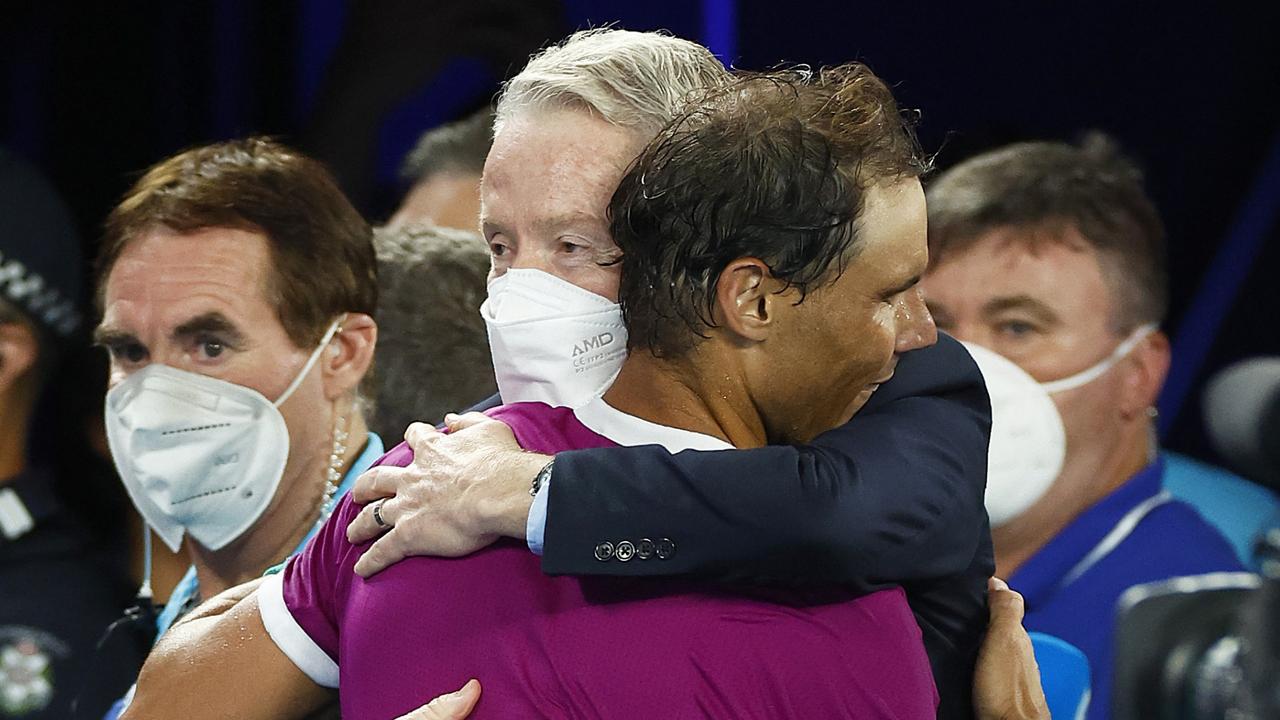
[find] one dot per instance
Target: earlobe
(1149, 365)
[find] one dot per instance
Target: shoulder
(1175, 540)
(544, 429)
(1203, 484)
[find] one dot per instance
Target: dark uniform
(57, 596)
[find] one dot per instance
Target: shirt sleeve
(535, 528)
(302, 606)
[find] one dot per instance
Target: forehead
(566, 159)
(1055, 266)
(165, 277)
(892, 232)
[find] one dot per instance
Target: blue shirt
(1071, 586)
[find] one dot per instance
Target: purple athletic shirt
(587, 647)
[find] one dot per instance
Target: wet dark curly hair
(774, 166)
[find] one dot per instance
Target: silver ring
(377, 515)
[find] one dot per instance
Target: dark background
(95, 92)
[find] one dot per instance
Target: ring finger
(366, 526)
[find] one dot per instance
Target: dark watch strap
(541, 478)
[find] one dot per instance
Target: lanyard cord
(144, 592)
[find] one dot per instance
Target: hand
(462, 491)
(454, 706)
(1006, 685)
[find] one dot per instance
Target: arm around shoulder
(893, 495)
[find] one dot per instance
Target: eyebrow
(109, 336)
(1021, 302)
(210, 322)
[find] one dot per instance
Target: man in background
(443, 171)
(1053, 256)
(237, 288)
(58, 590)
(433, 353)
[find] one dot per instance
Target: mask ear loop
(1088, 375)
(311, 361)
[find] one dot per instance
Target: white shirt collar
(629, 430)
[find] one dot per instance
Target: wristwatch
(542, 478)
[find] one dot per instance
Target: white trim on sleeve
(290, 637)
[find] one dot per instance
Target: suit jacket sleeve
(894, 495)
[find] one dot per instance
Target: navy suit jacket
(893, 497)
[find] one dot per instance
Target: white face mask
(1028, 441)
(552, 341)
(198, 454)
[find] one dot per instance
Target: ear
(18, 352)
(1146, 369)
(349, 355)
(746, 295)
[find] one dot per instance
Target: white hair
(635, 80)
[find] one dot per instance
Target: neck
(1083, 483)
(673, 393)
(280, 530)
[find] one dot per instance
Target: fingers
(457, 422)
(387, 551)
(365, 527)
(419, 434)
(374, 484)
(1007, 605)
(454, 706)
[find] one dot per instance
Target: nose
(914, 323)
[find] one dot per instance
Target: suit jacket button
(665, 549)
(604, 551)
(625, 551)
(644, 549)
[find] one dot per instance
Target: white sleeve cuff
(289, 636)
